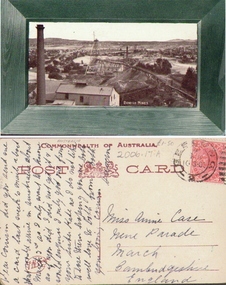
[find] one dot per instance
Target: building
(85, 95)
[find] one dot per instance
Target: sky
(116, 31)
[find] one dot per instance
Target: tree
(189, 81)
(50, 68)
(55, 75)
(163, 66)
(67, 68)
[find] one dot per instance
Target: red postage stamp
(208, 161)
(205, 161)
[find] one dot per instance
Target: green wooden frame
(18, 118)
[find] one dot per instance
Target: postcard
(112, 210)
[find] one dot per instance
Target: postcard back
(112, 210)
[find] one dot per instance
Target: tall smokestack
(41, 89)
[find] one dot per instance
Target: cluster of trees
(74, 66)
(57, 63)
(53, 71)
(189, 51)
(71, 68)
(187, 59)
(161, 66)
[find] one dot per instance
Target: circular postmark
(36, 264)
(198, 161)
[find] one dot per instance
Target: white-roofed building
(82, 94)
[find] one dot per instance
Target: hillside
(156, 44)
(58, 42)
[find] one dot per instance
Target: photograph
(117, 210)
(113, 64)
